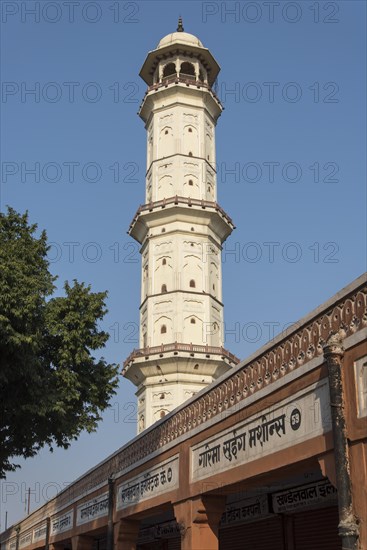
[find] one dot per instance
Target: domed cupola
(181, 37)
(181, 55)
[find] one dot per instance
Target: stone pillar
(348, 527)
(199, 521)
(48, 530)
(81, 542)
(178, 66)
(126, 534)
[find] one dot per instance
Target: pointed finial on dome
(180, 25)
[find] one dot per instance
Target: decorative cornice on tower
(213, 214)
(191, 349)
(213, 104)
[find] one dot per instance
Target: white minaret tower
(181, 229)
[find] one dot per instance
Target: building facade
(271, 453)
(257, 459)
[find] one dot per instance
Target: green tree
(51, 386)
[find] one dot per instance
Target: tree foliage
(51, 386)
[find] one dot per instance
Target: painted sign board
(306, 496)
(298, 418)
(62, 523)
(39, 532)
(246, 510)
(25, 539)
(93, 509)
(151, 483)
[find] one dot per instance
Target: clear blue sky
(292, 133)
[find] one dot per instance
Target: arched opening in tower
(169, 70)
(187, 70)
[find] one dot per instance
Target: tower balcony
(184, 87)
(187, 80)
(176, 347)
(217, 359)
(209, 210)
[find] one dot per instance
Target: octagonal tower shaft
(181, 229)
